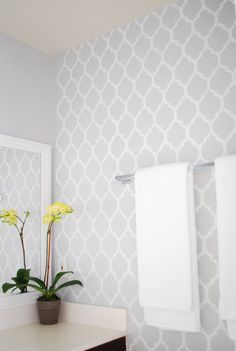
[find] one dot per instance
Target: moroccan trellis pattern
(161, 89)
(19, 189)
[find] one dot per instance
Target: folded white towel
(225, 176)
(166, 244)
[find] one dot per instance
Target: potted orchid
(49, 302)
(10, 217)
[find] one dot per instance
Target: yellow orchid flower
(9, 216)
(59, 208)
(64, 208)
(48, 218)
(55, 211)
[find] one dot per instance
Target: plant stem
(48, 254)
(23, 247)
(20, 219)
(22, 239)
(21, 235)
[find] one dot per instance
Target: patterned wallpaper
(161, 89)
(19, 189)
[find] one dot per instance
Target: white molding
(23, 144)
(44, 150)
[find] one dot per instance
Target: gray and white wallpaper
(161, 89)
(20, 178)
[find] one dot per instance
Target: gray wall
(27, 92)
(159, 90)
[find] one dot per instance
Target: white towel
(225, 176)
(166, 244)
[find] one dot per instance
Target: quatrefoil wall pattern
(161, 89)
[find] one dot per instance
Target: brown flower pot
(48, 311)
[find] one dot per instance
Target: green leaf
(7, 286)
(22, 287)
(21, 280)
(23, 274)
(49, 294)
(70, 283)
(39, 282)
(14, 289)
(37, 288)
(58, 276)
(22, 277)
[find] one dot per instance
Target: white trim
(23, 144)
(45, 152)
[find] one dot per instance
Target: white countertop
(80, 328)
(64, 336)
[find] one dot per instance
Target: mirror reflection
(20, 174)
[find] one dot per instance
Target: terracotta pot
(48, 311)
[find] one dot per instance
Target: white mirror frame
(44, 151)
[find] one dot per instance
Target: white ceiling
(55, 25)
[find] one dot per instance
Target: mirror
(25, 176)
